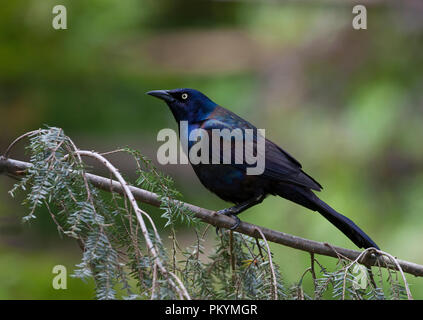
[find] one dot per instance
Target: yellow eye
(184, 96)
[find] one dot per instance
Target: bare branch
(9, 148)
(269, 254)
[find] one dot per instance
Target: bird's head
(186, 104)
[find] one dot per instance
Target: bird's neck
(193, 114)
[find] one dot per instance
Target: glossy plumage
(283, 175)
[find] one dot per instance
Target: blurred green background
(347, 103)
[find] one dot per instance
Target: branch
(269, 254)
(15, 168)
(138, 212)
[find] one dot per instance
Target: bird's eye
(184, 96)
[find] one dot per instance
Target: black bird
(282, 176)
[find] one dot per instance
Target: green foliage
(149, 178)
(117, 256)
(251, 274)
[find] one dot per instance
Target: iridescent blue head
(186, 104)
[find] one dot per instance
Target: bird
(282, 176)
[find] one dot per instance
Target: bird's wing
(277, 162)
(279, 165)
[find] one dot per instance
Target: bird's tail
(308, 199)
(349, 228)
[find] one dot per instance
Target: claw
(217, 231)
(228, 212)
(237, 221)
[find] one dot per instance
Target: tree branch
(15, 168)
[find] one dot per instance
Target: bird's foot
(228, 212)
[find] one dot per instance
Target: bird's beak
(161, 94)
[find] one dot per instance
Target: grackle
(282, 175)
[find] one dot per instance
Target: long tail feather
(349, 228)
(308, 199)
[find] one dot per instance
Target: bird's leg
(237, 209)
